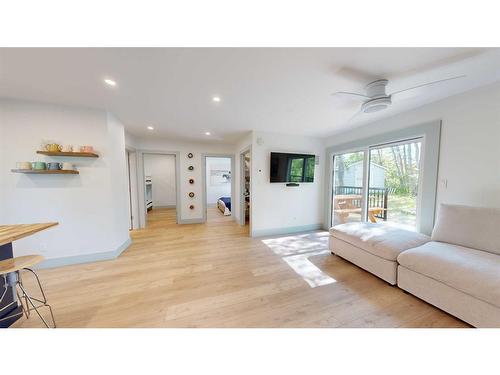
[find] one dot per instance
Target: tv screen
(292, 167)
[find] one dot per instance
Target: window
(391, 195)
(410, 202)
(394, 183)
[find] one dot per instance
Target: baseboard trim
(191, 221)
(85, 258)
(167, 206)
(288, 230)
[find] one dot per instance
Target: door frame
(429, 161)
(141, 176)
(204, 157)
(131, 156)
(247, 150)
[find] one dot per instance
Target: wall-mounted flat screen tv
(292, 167)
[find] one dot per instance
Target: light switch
(444, 183)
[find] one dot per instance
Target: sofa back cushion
(475, 227)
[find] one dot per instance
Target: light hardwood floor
(214, 275)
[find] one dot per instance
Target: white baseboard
(85, 258)
(287, 230)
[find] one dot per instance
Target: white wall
(214, 192)
(161, 168)
(277, 208)
(184, 148)
(91, 207)
(469, 158)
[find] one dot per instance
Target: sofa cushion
(378, 239)
(475, 227)
(471, 271)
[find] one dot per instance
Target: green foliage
(400, 163)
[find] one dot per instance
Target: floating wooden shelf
(74, 154)
(45, 171)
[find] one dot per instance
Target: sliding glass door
(392, 176)
(394, 183)
(347, 197)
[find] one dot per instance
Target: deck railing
(377, 197)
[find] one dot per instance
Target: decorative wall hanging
(191, 195)
(190, 155)
(191, 207)
(191, 181)
(190, 167)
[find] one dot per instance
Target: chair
(10, 270)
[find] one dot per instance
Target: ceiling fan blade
(428, 84)
(354, 94)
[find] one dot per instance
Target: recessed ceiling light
(207, 133)
(151, 128)
(216, 99)
(110, 82)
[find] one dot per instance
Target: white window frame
(429, 135)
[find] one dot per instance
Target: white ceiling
(282, 90)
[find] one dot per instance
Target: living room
(176, 185)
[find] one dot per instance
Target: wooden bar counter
(8, 234)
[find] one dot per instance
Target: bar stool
(10, 270)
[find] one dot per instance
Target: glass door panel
(348, 172)
(394, 184)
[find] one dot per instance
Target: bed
(224, 205)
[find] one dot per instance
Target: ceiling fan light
(376, 105)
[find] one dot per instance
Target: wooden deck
(214, 275)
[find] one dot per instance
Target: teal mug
(53, 166)
(38, 165)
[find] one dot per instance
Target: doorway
(245, 188)
(160, 186)
(380, 183)
(218, 187)
(133, 204)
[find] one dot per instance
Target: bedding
(224, 204)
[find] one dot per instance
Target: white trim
(85, 258)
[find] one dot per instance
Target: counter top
(9, 233)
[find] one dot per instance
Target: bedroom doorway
(217, 187)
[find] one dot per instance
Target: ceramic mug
(67, 148)
(23, 165)
(53, 147)
(38, 165)
(67, 166)
(53, 166)
(87, 149)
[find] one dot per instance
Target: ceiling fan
(376, 98)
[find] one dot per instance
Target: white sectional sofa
(457, 269)
(373, 247)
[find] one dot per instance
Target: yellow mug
(53, 147)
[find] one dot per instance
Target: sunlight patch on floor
(295, 251)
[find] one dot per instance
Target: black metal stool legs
(30, 303)
(30, 300)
